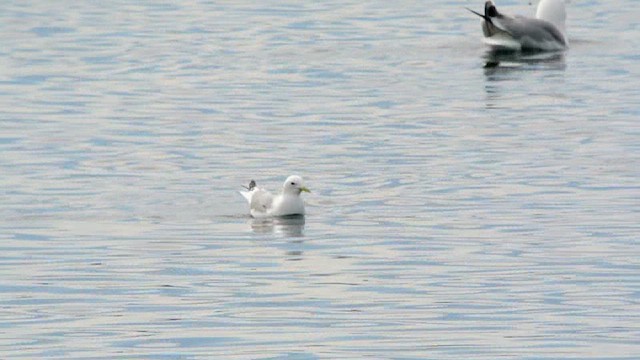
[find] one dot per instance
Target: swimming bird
(544, 32)
(263, 204)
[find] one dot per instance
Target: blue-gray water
(456, 211)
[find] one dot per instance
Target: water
(457, 211)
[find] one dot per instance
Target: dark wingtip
(477, 13)
(490, 10)
(252, 185)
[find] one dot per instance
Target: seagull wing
(261, 201)
(529, 31)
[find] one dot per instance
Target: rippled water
(457, 211)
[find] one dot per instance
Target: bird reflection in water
(503, 69)
(291, 226)
(504, 61)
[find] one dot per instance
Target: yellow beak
(304, 189)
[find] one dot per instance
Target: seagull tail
(246, 195)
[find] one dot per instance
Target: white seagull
(263, 204)
(544, 32)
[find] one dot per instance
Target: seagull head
(294, 185)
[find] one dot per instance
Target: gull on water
(263, 204)
(544, 32)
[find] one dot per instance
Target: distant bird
(545, 32)
(263, 204)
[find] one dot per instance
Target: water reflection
(435, 221)
(292, 226)
(502, 67)
(497, 62)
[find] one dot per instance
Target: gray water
(457, 211)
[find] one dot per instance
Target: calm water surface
(457, 211)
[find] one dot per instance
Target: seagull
(545, 32)
(263, 204)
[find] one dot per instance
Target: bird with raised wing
(545, 32)
(264, 204)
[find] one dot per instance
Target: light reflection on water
(290, 226)
(457, 210)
